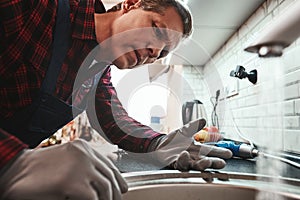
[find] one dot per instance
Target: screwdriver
(238, 149)
(241, 150)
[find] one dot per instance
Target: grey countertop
(260, 165)
(265, 166)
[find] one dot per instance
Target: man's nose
(155, 52)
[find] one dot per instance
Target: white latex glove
(70, 171)
(178, 150)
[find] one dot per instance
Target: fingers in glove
(208, 162)
(201, 164)
(217, 163)
(191, 128)
(106, 168)
(183, 162)
(213, 151)
(104, 189)
(114, 174)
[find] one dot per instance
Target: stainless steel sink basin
(174, 185)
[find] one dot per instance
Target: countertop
(260, 165)
(265, 166)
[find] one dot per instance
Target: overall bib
(47, 113)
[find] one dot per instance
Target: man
(54, 64)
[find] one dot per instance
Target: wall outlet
(232, 89)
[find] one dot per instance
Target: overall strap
(60, 45)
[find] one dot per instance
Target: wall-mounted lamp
(240, 73)
(284, 31)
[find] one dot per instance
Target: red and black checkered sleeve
(10, 146)
(11, 22)
(113, 120)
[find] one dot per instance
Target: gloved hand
(177, 150)
(68, 171)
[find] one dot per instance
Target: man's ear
(128, 5)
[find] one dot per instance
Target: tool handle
(241, 150)
(234, 148)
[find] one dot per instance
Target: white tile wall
(291, 140)
(268, 112)
(297, 107)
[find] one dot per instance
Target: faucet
(240, 73)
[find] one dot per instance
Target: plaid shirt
(25, 48)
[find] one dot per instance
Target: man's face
(141, 37)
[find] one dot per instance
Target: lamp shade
(283, 31)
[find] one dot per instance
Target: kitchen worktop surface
(265, 166)
(127, 163)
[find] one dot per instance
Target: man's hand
(69, 171)
(177, 150)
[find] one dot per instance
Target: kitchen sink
(175, 185)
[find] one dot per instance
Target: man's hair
(159, 6)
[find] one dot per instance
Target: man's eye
(157, 31)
